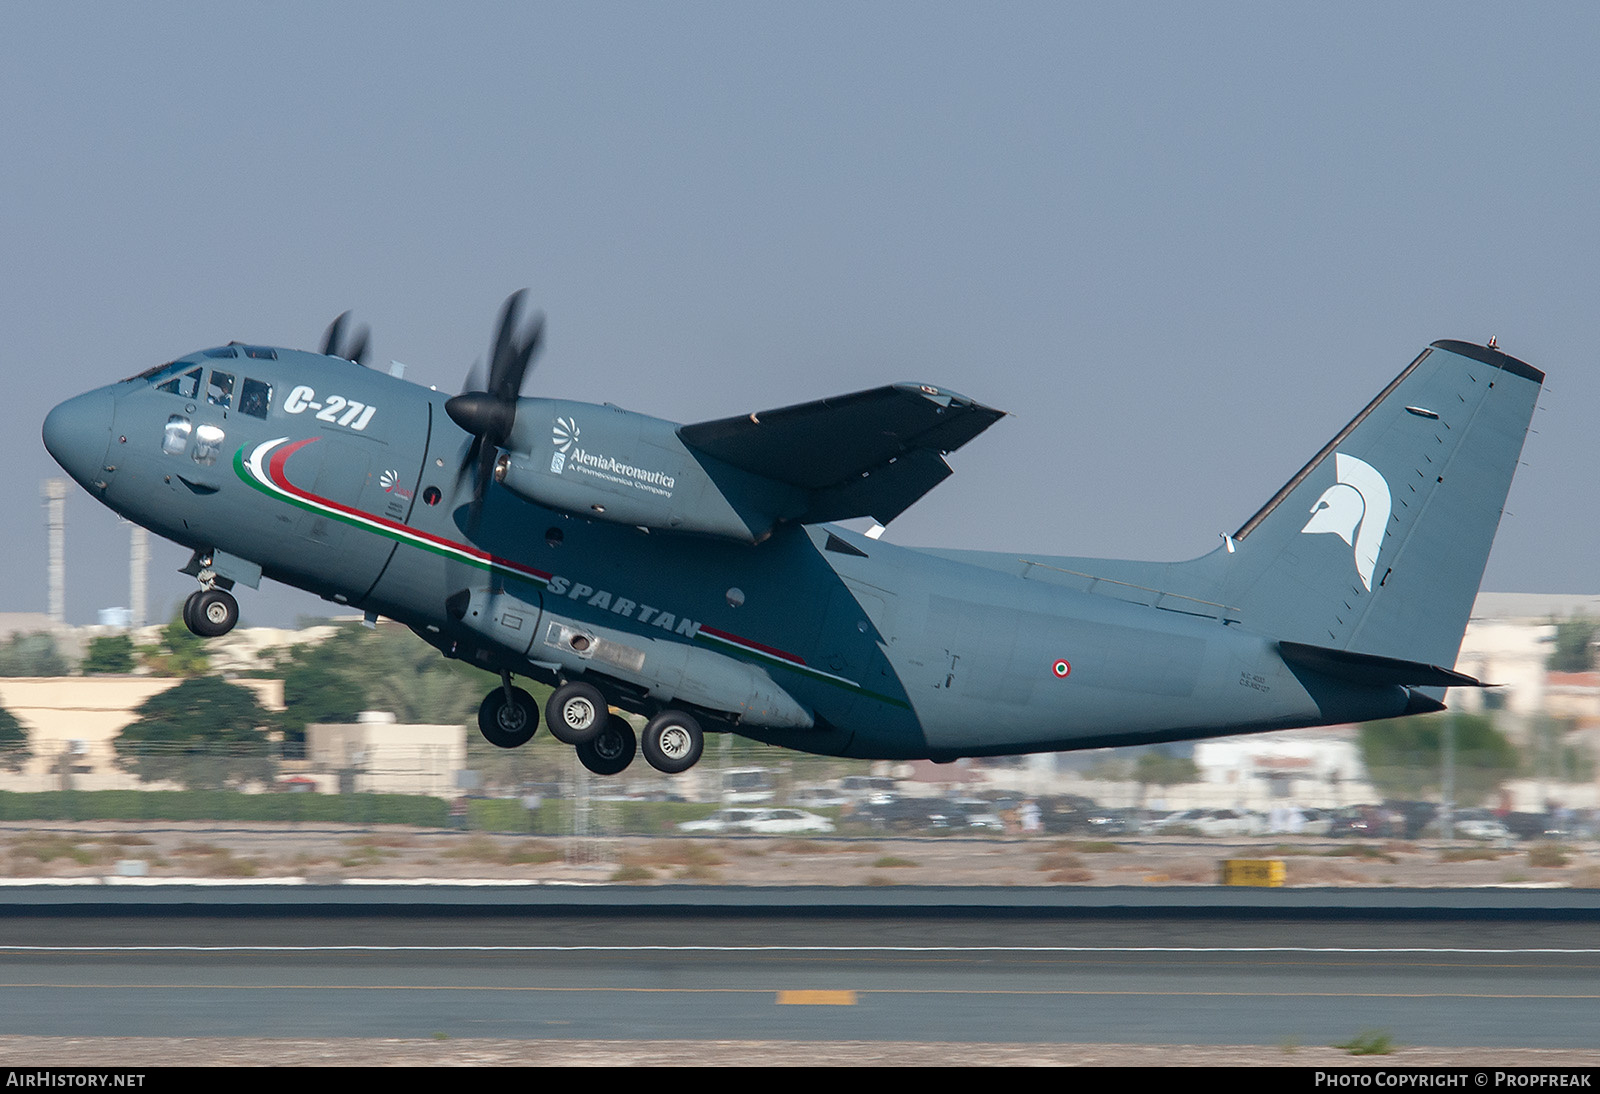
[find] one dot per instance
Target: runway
(884, 971)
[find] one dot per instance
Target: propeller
(489, 412)
(335, 344)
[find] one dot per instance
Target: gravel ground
(333, 852)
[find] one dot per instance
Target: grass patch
(207, 860)
(626, 874)
(1469, 854)
(1549, 855)
(1060, 860)
(808, 847)
(1369, 1042)
(683, 853)
(696, 872)
(1361, 851)
(50, 848)
(894, 862)
(517, 852)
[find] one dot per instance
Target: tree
(1404, 757)
(31, 655)
(14, 748)
(109, 654)
(1156, 767)
(1574, 645)
(178, 652)
(205, 733)
(389, 669)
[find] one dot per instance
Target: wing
(872, 453)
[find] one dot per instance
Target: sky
(1182, 244)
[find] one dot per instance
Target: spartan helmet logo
(564, 433)
(1356, 509)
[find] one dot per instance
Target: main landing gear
(611, 750)
(210, 613)
(578, 715)
(508, 716)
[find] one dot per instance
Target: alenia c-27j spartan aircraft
(689, 573)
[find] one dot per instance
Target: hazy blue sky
(1182, 243)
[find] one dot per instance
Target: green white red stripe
(264, 470)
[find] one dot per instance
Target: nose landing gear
(210, 613)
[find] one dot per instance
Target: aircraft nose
(77, 433)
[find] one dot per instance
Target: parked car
(748, 785)
(771, 822)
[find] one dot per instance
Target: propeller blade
(358, 348)
(500, 362)
(488, 410)
(335, 345)
(332, 336)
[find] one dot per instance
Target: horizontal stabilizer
(1370, 670)
(871, 453)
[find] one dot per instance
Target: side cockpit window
(185, 385)
(219, 392)
(255, 398)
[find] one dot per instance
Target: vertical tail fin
(1379, 543)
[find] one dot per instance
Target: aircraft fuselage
(346, 482)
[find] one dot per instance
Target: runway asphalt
(1463, 970)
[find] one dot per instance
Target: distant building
(72, 721)
(378, 755)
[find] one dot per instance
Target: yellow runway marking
(842, 998)
(817, 998)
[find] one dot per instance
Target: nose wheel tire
(576, 713)
(508, 723)
(612, 749)
(673, 742)
(210, 613)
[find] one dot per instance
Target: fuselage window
(219, 392)
(176, 437)
(254, 398)
(185, 386)
(207, 443)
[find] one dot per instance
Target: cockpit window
(153, 372)
(261, 353)
(222, 351)
(186, 385)
(255, 397)
(219, 392)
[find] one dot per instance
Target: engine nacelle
(607, 464)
